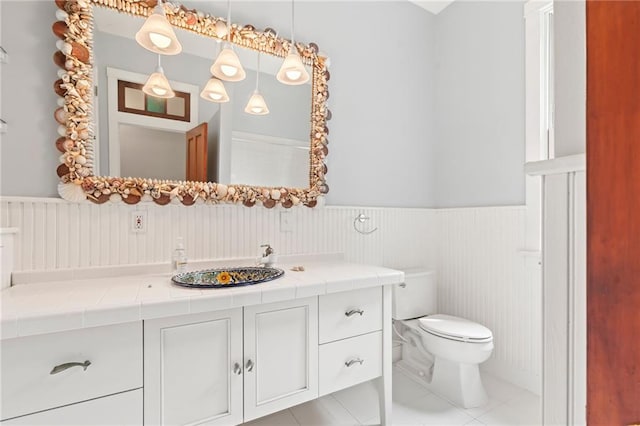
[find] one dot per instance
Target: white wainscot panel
(55, 234)
(484, 276)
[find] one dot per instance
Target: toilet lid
(455, 328)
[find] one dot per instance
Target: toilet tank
(417, 296)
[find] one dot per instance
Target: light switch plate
(286, 221)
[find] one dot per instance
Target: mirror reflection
(187, 137)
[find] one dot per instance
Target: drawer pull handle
(353, 312)
(237, 369)
(249, 366)
(353, 361)
(62, 367)
(403, 285)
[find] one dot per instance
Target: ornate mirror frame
(75, 113)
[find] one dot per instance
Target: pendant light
(292, 71)
(256, 104)
(227, 66)
(157, 85)
(214, 91)
(157, 34)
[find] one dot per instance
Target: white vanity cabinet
(220, 367)
(193, 369)
(281, 356)
(195, 366)
(101, 365)
(350, 338)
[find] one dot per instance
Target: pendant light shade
(157, 84)
(157, 34)
(292, 71)
(214, 91)
(227, 66)
(256, 104)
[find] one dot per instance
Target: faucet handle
(268, 250)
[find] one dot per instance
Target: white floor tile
(360, 400)
(413, 404)
(426, 410)
(499, 389)
(523, 410)
(405, 388)
(474, 422)
(281, 418)
(323, 411)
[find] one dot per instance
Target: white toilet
(442, 350)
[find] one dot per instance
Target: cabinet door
(190, 372)
(281, 356)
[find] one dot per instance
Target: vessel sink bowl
(227, 277)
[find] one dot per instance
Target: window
(133, 100)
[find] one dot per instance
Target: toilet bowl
(448, 348)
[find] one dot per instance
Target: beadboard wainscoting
(55, 234)
(485, 275)
(476, 252)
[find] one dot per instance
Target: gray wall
(571, 77)
(28, 100)
(169, 159)
(480, 92)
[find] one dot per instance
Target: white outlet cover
(139, 221)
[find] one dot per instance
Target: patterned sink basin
(227, 277)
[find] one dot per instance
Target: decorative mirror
(182, 147)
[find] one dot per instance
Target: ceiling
(433, 6)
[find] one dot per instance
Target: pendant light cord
(293, 43)
(229, 22)
(258, 73)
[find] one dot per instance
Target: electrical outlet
(286, 221)
(139, 221)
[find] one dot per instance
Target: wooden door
(281, 356)
(613, 212)
(192, 369)
(197, 153)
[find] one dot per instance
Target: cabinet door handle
(249, 366)
(237, 369)
(353, 312)
(62, 367)
(353, 361)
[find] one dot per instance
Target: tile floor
(413, 404)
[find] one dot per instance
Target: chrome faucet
(268, 251)
(268, 257)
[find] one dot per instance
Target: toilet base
(459, 383)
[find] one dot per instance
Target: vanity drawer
(123, 409)
(340, 364)
(350, 313)
(115, 354)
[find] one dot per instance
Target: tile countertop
(67, 304)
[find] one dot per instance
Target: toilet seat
(455, 328)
